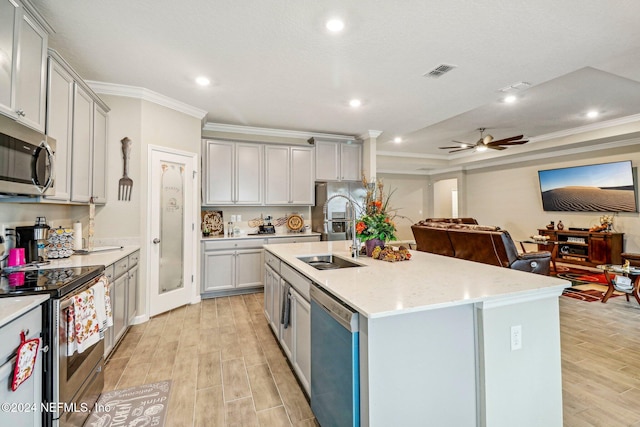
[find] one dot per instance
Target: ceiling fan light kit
(485, 142)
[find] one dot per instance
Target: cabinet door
(351, 162)
(108, 334)
(249, 265)
(219, 270)
(29, 392)
(119, 307)
(59, 126)
(301, 321)
(219, 173)
(31, 72)
(268, 293)
(277, 304)
(9, 19)
(277, 177)
(302, 182)
(286, 334)
(81, 175)
(132, 291)
(249, 159)
(99, 172)
(327, 161)
(599, 249)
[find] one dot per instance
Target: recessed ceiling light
(202, 81)
(355, 103)
(510, 99)
(335, 25)
(397, 140)
(592, 114)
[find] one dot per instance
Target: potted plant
(376, 226)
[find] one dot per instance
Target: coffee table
(610, 272)
(552, 243)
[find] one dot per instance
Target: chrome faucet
(355, 244)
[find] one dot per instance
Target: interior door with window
(172, 229)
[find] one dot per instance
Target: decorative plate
(213, 221)
(295, 222)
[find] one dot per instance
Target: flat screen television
(604, 187)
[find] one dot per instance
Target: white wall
(443, 197)
(509, 197)
(410, 198)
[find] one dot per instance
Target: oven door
(78, 371)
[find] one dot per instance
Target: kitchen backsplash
(249, 213)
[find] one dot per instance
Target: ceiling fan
(486, 141)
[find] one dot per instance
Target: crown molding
(370, 134)
(146, 95)
(279, 133)
(587, 128)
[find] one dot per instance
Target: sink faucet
(355, 244)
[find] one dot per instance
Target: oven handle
(66, 302)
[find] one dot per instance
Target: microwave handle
(50, 158)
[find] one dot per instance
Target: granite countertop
(260, 236)
(96, 258)
(425, 282)
(14, 307)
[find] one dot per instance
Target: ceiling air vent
(439, 71)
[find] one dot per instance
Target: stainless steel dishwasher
(335, 376)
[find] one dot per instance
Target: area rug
(141, 406)
(586, 285)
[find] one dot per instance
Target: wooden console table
(590, 248)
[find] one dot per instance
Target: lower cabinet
(291, 289)
(30, 391)
(232, 266)
(123, 289)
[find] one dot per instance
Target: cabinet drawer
(134, 258)
(235, 244)
(120, 267)
(109, 272)
(295, 279)
(10, 333)
(272, 261)
(297, 239)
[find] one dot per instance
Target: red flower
(360, 227)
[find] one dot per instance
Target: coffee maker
(33, 239)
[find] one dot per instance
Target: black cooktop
(54, 281)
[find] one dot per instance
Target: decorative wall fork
(125, 184)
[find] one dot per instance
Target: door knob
(156, 241)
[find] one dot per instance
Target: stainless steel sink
(328, 262)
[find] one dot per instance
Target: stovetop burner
(55, 281)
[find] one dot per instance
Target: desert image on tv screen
(606, 187)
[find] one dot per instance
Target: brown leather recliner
(634, 259)
(485, 244)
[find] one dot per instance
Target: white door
(172, 213)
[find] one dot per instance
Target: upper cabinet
(23, 54)
(288, 175)
(77, 119)
(233, 173)
(338, 161)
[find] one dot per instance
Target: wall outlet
(516, 337)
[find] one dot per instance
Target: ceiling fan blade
(500, 141)
(524, 141)
(457, 146)
(496, 147)
(461, 149)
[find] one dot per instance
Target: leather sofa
(452, 220)
(634, 259)
(478, 243)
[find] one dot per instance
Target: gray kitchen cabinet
(232, 266)
(77, 119)
(287, 332)
(232, 173)
(301, 351)
(123, 289)
(30, 391)
(59, 125)
(23, 41)
(289, 175)
(338, 161)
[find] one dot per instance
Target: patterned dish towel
(86, 327)
(102, 300)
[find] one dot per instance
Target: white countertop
(97, 258)
(14, 307)
(425, 282)
(260, 236)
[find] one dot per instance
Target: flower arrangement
(376, 221)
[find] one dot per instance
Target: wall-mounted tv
(604, 187)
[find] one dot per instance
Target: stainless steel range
(70, 382)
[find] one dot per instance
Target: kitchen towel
(86, 327)
(101, 302)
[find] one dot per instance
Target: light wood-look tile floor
(228, 370)
(225, 365)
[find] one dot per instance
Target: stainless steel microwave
(26, 160)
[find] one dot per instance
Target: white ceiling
(273, 64)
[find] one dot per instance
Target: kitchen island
(447, 342)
